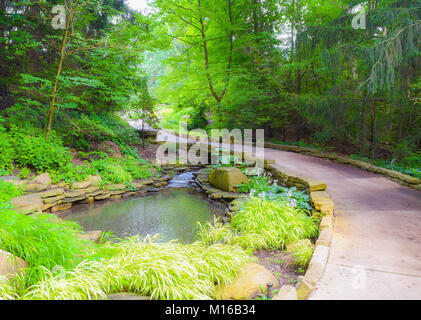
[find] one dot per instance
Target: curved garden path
(376, 248)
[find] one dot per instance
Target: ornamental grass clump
(6, 290)
(42, 241)
(301, 253)
(262, 224)
(159, 270)
(276, 223)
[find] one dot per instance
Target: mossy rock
(227, 179)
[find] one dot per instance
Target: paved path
(376, 249)
(377, 232)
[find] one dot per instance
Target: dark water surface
(173, 213)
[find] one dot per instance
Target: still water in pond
(172, 213)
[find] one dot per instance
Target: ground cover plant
(264, 184)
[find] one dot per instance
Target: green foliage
(136, 170)
(263, 185)
(262, 224)
(7, 153)
(275, 221)
(111, 171)
(73, 173)
(162, 271)
(42, 241)
(24, 173)
(8, 191)
(34, 151)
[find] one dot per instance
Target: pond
(172, 213)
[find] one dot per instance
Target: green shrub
(136, 170)
(112, 171)
(34, 151)
(276, 221)
(73, 173)
(7, 153)
(24, 173)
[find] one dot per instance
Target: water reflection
(172, 213)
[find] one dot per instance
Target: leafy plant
(274, 221)
(261, 224)
(8, 191)
(262, 185)
(7, 152)
(34, 151)
(24, 173)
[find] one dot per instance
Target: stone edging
(395, 176)
(324, 206)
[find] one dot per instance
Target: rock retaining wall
(60, 197)
(324, 209)
(403, 179)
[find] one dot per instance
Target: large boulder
(34, 187)
(42, 179)
(227, 179)
(251, 281)
(28, 203)
(10, 265)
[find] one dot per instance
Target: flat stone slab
(51, 193)
(34, 187)
(42, 179)
(27, 204)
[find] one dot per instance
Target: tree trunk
(373, 140)
(59, 69)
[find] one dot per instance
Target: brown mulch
(279, 263)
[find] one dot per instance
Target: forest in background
(299, 69)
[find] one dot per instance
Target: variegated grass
(262, 224)
(161, 271)
(7, 292)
